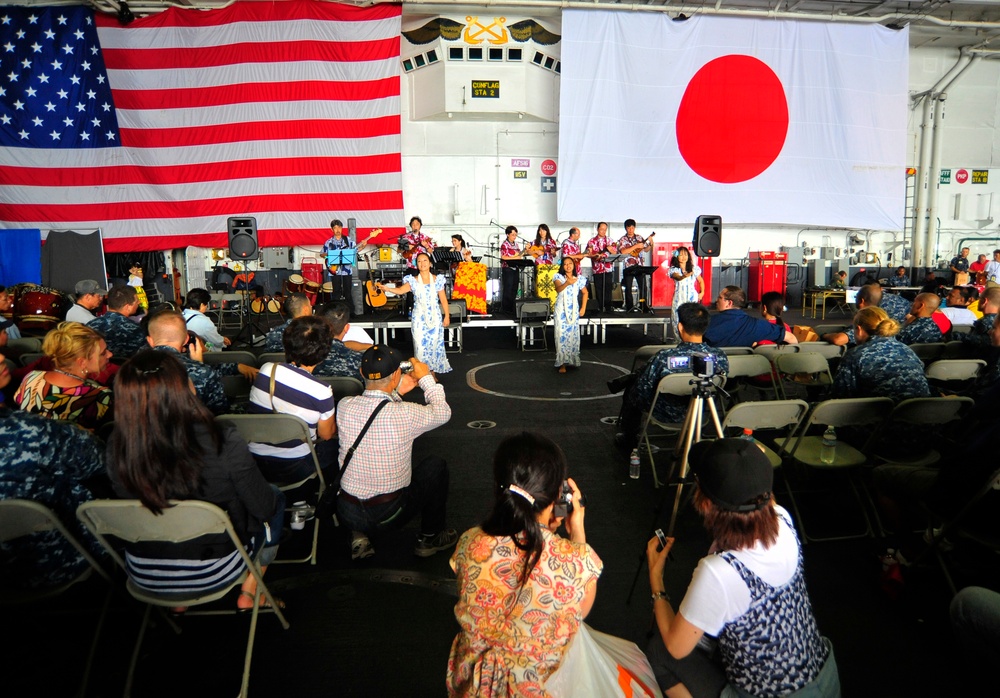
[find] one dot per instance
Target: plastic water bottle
(633, 464)
(748, 435)
(828, 452)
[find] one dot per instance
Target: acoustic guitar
(332, 268)
(636, 249)
(375, 297)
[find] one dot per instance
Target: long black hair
(675, 261)
(774, 303)
(155, 452)
(535, 464)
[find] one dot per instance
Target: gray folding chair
(642, 355)
(736, 351)
(234, 356)
(830, 351)
(768, 416)
(25, 344)
(928, 351)
(806, 449)
(24, 517)
(128, 521)
(236, 388)
(955, 370)
(931, 412)
(746, 366)
(772, 350)
(961, 329)
(29, 357)
(274, 357)
(532, 315)
(453, 333)
(958, 350)
(808, 369)
(277, 429)
(342, 386)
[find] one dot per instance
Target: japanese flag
(759, 121)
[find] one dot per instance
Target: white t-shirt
(79, 314)
(717, 595)
(357, 334)
(960, 316)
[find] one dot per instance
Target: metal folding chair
(736, 351)
(234, 356)
(769, 416)
(277, 429)
(129, 521)
(955, 370)
(273, 357)
(808, 369)
(750, 366)
(453, 333)
(532, 315)
(931, 412)
(642, 355)
(928, 351)
(342, 386)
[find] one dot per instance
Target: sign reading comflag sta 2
(158, 131)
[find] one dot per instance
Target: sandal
(263, 602)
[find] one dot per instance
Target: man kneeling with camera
(380, 488)
(692, 356)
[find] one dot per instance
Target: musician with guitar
(413, 242)
(598, 249)
(509, 275)
(632, 245)
(571, 248)
(341, 274)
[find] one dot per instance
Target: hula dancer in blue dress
(568, 313)
(430, 314)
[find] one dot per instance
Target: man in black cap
(89, 295)
(381, 489)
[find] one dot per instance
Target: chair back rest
(534, 309)
(801, 362)
(130, 521)
(342, 386)
(268, 428)
(457, 309)
(770, 414)
(680, 384)
(955, 369)
(830, 351)
(273, 357)
(958, 350)
(772, 350)
(748, 365)
(29, 357)
(931, 410)
(736, 351)
(852, 411)
(642, 355)
(214, 358)
(23, 344)
(928, 351)
(235, 387)
(961, 329)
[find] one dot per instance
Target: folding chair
(29, 357)
(955, 370)
(127, 520)
(453, 333)
(961, 329)
(214, 358)
(809, 369)
(273, 357)
(673, 384)
(806, 449)
(958, 350)
(769, 415)
(277, 429)
(928, 351)
(830, 351)
(736, 351)
(749, 366)
(931, 412)
(342, 386)
(771, 350)
(24, 517)
(532, 315)
(642, 355)
(23, 344)
(236, 388)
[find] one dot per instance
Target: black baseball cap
(380, 361)
(733, 473)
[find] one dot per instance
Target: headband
(517, 490)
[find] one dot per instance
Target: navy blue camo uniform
(124, 337)
(881, 367)
(921, 331)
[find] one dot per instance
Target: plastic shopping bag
(602, 666)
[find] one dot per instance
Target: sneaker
(361, 548)
(428, 545)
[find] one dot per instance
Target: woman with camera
(523, 590)
(749, 592)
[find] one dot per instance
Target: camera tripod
(702, 391)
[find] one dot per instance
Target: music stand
(523, 265)
(339, 257)
(645, 277)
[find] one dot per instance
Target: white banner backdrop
(759, 121)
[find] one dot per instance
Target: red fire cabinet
(663, 285)
(768, 272)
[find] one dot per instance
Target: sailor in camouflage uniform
(124, 337)
(168, 332)
(47, 461)
(871, 295)
(922, 329)
(341, 361)
(879, 366)
(296, 305)
(979, 337)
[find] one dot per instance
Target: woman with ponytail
(879, 365)
(523, 590)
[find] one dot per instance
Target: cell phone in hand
(660, 536)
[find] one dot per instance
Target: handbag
(597, 664)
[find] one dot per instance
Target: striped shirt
(183, 576)
(296, 392)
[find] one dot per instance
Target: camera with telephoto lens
(702, 365)
(564, 502)
(406, 366)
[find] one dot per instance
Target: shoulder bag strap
(270, 390)
(361, 435)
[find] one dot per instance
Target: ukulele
(636, 249)
(332, 268)
(375, 298)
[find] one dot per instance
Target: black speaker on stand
(707, 240)
(242, 238)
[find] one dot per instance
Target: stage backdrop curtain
(158, 131)
(21, 260)
(68, 257)
(759, 121)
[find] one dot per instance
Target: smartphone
(191, 341)
(660, 536)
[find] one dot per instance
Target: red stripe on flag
(206, 172)
(258, 12)
(265, 52)
(318, 91)
(130, 210)
(274, 131)
(280, 237)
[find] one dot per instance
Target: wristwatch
(659, 595)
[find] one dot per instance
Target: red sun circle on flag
(732, 120)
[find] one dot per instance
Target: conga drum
(312, 290)
(295, 283)
(470, 284)
(38, 307)
(259, 304)
(326, 294)
(544, 287)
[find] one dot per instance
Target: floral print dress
(567, 322)
(514, 638)
(426, 322)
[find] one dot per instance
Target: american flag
(157, 132)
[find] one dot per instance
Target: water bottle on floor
(748, 435)
(828, 452)
(633, 464)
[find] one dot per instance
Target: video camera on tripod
(702, 365)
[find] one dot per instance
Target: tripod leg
(715, 417)
(691, 436)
